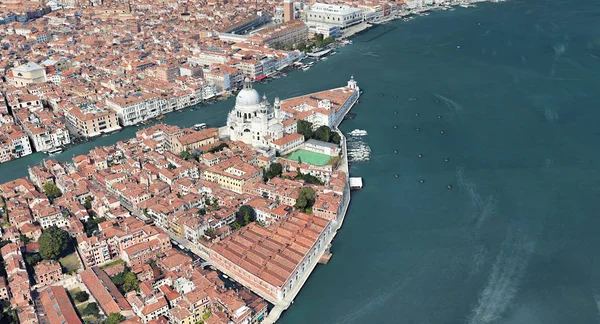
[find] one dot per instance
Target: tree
(275, 170)
(171, 166)
(32, 259)
(88, 202)
(277, 46)
(335, 138)
(217, 148)
(23, 238)
(186, 155)
(91, 309)
(114, 318)
(245, 215)
(131, 282)
(305, 128)
(81, 296)
(53, 243)
(8, 314)
(306, 198)
(51, 190)
(301, 46)
(322, 133)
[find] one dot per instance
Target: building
(3, 289)
(28, 73)
(49, 216)
(271, 261)
(232, 174)
(321, 147)
(288, 143)
(14, 142)
(288, 33)
(105, 292)
(47, 272)
(93, 251)
(333, 15)
(191, 140)
(254, 121)
(92, 121)
(288, 10)
(57, 306)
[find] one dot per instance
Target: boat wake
(358, 149)
(504, 280)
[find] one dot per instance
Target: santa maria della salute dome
(253, 120)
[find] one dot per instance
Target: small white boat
(54, 151)
(305, 68)
(200, 126)
(358, 132)
(225, 276)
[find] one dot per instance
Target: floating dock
(356, 183)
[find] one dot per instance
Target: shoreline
(224, 95)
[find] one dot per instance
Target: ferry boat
(54, 151)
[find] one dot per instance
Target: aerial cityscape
(184, 162)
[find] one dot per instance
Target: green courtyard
(310, 157)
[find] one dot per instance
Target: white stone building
(333, 15)
(254, 121)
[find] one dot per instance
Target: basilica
(253, 120)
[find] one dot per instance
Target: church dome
(248, 96)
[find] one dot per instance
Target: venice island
(213, 225)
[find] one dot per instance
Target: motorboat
(200, 126)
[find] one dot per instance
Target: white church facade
(256, 122)
(253, 120)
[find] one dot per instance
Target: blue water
(514, 88)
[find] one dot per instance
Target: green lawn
(111, 263)
(310, 157)
(70, 262)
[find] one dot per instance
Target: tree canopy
(305, 128)
(53, 243)
(88, 202)
(91, 309)
(306, 199)
(81, 296)
(114, 318)
(51, 190)
(275, 170)
(131, 282)
(245, 215)
(217, 148)
(323, 133)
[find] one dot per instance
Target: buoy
(439, 117)
(395, 97)
(395, 113)
(446, 159)
(417, 114)
(449, 186)
(395, 152)
(422, 181)
(442, 132)
(420, 156)
(418, 129)
(395, 126)
(396, 176)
